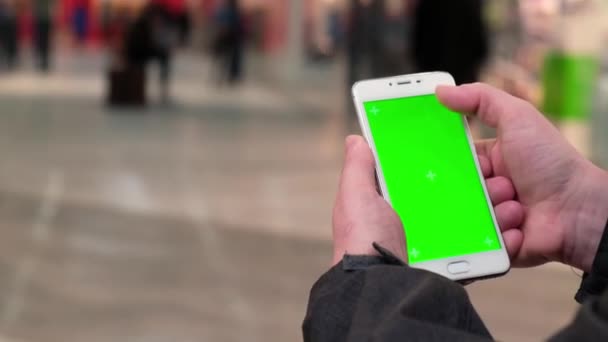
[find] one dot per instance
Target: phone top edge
(404, 85)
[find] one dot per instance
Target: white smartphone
(429, 172)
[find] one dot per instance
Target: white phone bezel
(486, 264)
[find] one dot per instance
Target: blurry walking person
(450, 36)
(229, 41)
(364, 41)
(8, 34)
(80, 21)
(43, 31)
(395, 39)
(363, 45)
(153, 38)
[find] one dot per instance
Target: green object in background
(569, 85)
(431, 177)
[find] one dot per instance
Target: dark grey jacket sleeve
(381, 299)
(591, 322)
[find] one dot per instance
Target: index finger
(483, 148)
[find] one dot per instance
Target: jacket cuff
(596, 282)
(360, 262)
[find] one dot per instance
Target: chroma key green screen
(431, 177)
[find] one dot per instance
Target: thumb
(358, 174)
(361, 216)
(494, 107)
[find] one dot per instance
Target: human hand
(565, 197)
(362, 216)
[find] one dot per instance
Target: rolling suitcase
(127, 87)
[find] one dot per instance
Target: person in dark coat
(364, 46)
(43, 32)
(372, 295)
(364, 40)
(152, 38)
(8, 34)
(228, 45)
(80, 21)
(450, 36)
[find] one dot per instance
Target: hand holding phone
(565, 195)
(361, 215)
(429, 173)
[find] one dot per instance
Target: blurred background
(168, 167)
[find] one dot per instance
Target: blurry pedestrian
(43, 31)
(228, 44)
(184, 25)
(152, 39)
(450, 36)
(80, 21)
(364, 41)
(395, 39)
(363, 45)
(8, 34)
(334, 30)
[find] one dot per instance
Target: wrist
(588, 209)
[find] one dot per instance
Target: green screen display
(431, 178)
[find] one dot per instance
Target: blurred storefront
(552, 52)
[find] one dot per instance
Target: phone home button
(459, 267)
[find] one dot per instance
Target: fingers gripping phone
(428, 171)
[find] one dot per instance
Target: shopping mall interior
(187, 195)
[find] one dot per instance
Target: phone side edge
(507, 266)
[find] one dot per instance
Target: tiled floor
(208, 221)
